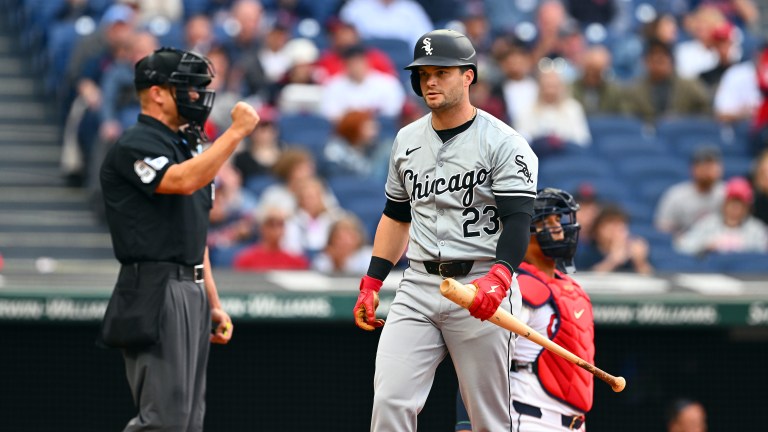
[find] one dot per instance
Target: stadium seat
(310, 131)
(63, 38)
(639, 212)
(617, 146)
(256, 185)
(750, 262)
(350, 189)
(559, 170)
(666, 260)
(600, 125)
(683, 134)
(636, 171)
(398, 50)
(651, 190)
(737, 166)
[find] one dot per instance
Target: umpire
(158, 191)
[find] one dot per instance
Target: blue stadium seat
(558, 170)
(738, 262)
(63, 38)
(620, 145)
(636, 171)
(654, 237)
(350, 189)
(651, 190)
(398, 50)
(256, 185)
(683, 134)
(737, 166)
(600, 125)
(666, 260)
(639, 212)
(307, 130)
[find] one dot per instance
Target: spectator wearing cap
(388, 19)
(342, 36)
(705, 24)
(722, 44)
(686, 202)
(262, 147)
(361, 88)
(299, 90)
(741, 93)
(731, 230)
(661, 92)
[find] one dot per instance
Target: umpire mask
(188, 72)
(556, 201)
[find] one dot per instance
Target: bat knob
(619, 384)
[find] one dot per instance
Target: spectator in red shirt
(267, 254)
(344, 35)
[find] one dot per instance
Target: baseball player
(158, 192)
(456, 177)
(548, 392)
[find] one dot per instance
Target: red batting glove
(491, 290)
(367, 302)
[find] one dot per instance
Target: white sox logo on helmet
(427, 46)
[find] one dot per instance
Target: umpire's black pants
(167, 380)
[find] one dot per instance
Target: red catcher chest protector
(560, 378)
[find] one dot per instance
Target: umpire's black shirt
(147, 226)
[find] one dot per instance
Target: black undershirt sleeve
(516, 214)
(398, 210)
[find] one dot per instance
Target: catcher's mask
(556, 201)
(188, 73)
(441, 48)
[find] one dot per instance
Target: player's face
(442, 87)
(552, 223)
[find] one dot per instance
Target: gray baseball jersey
(451, 186)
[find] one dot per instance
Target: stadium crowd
(652, 112)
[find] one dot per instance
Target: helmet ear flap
(416, 82)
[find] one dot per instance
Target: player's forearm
(210, 285)
(391, 239)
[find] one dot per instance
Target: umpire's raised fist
(244, 119)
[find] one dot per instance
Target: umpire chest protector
(145, 225)
(575, 332)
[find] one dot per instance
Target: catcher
(548, 393)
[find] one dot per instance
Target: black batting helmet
(557, 201)
(442, 48)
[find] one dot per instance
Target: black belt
(519, 366)
(448, 269)
(180, 271)
(570, 422)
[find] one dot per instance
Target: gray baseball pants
(422, 328)
(167, 380)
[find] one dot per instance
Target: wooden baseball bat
(463, 295)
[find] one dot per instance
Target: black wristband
(379, 268)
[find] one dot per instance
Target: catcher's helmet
(441, 48)
(185, 70)
(557, 201)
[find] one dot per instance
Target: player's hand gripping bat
(463, 295)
